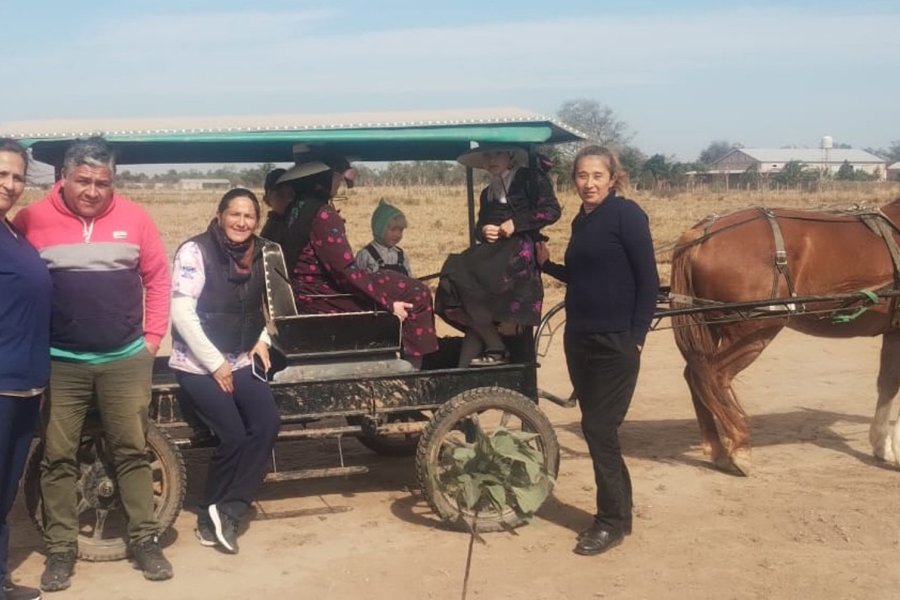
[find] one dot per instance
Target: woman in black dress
(497, 280)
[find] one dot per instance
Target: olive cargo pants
(120, 391)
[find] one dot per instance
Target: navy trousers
(246, 424)
(18, 418)
(603, 368)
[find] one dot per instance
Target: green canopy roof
(441, 135)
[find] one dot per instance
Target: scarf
(240, 255)
(499, 185)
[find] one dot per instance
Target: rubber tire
(389, 445)
(164, 450)
(445, 420)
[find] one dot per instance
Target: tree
(660, 171)
(596, 120)
(716, 150)
(845, 172)
(891, 154)
(255, 177)
(657, 169)
(632, 160)
(795, 173)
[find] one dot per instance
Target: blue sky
(681, 74)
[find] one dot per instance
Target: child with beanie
(388, 223)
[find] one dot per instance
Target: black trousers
(246, 424)
(18, 417)
(603, 368)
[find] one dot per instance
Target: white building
(772, 160)
(204, 184)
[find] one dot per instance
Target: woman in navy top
(612, 284)
(24, 348)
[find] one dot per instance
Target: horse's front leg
(885, 440)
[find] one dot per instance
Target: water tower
(826, 145)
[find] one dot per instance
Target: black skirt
(491, 283)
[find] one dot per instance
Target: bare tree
(597, 121)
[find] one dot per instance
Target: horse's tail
(692, 332)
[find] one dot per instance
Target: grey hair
(93, 152)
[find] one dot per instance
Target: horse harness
(881, 225)
(877, 222)
(781, 264)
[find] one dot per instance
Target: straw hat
(475, 158)
(302, 170)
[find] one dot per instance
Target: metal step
(315, 473)
(320, 432)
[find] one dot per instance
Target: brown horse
(758, 254)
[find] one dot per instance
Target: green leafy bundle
(499, 471)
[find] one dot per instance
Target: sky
(680, 73)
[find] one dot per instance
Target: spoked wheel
(452, 427)
(548, 342)
(101, 518)
(393, 444)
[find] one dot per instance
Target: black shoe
(226, 529)
(149, 558)
(626, 529)
(12, 591)
(58, 570)
(491, 358)
(597, 540)
(205, 531)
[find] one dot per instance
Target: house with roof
(893, 171)
(768, 161)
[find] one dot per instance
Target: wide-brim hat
(302, 170)
(475, 158)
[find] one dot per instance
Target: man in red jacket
(110, 312)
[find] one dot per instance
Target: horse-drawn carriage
(344, 376)
(730, 295)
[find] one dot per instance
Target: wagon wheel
(487, 409)
(394, 444)
(102, 523)
(548, 341)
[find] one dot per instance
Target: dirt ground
(815, 520)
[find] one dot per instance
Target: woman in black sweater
(612, 284)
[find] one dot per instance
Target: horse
(759, 254)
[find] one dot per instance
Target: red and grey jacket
(108, 272)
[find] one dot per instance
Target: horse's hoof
(882, 444)
(885, 452)
(737, 463)
(894, 447)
